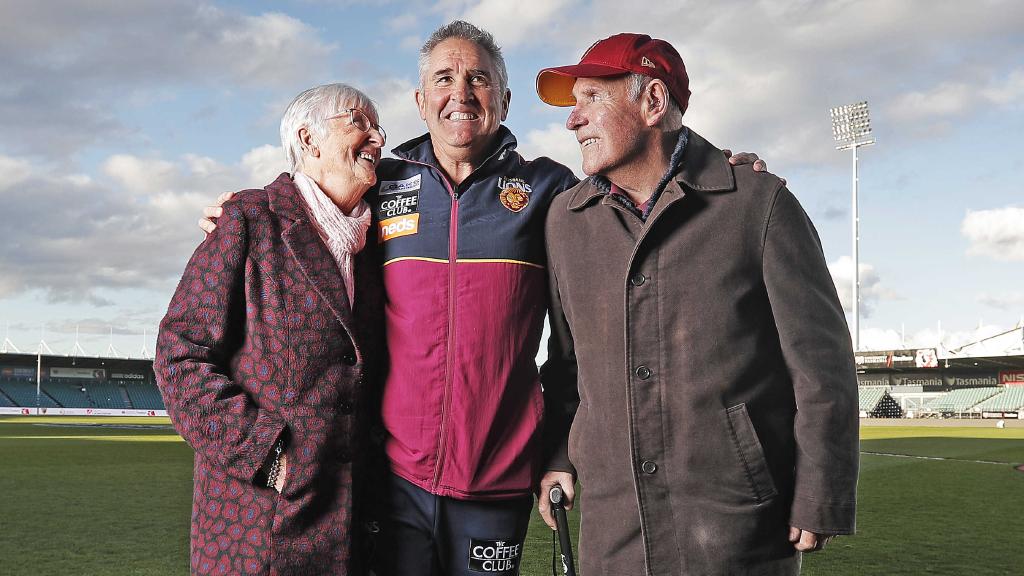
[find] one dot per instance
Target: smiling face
(607, 124)
(460, 100)
(347, 157)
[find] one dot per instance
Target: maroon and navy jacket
(465, 284)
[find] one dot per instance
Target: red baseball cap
(614, 56)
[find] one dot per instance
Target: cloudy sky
(122, 118)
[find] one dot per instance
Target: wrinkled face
(606, 123)
(460, 99)
(348, 154)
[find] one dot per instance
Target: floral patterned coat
(260, 343)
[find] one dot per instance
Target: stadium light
(851, 128)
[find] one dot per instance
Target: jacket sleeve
(816, 347)
(558, 378)
(204, 325)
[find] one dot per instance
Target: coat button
(649, 467)
(349, 359)
(345, 407)
(643, 372)
(344, 456)
(638, 279)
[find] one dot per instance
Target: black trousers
(428, 535)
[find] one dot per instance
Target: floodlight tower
(851, 127)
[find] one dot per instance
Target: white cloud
(513, 23)
(77, 238)
(946, 99)
(70, 67)
(871, 287)
(265, 50)
(14, 170)
(398, 113)
(880, 339)
(264, 164)
(997, 233)
(138, 176)
(1009, 301)
(933, 337)
(555, 142)
(950, 99)
(1008, 92)
(404, 22)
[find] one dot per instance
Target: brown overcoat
(260, 343)
(716, 383)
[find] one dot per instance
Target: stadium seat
(869, 397)
(962, 400)
(69, 392)
(106, 394)
(1011, 399)
(23, 393)
(144, 396)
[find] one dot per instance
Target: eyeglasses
(360, 120)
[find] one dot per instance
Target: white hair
(465, 31)
(635, 84)
(310, 110)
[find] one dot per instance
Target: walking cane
(562, 522)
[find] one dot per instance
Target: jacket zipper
(453, 257)
(453, 236)
(450, 352)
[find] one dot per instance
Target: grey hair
(465, 31)
(635, 84)
(310, 110)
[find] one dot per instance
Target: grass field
(111, 496)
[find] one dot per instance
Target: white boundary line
(937, 458)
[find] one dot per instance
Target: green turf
(90, 500)
(919, 516)
(112, 501)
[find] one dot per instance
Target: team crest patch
(515, 193)
(494, 556)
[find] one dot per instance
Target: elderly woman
(267, 353)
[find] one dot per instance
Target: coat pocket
(750, 453)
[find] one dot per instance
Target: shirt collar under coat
(421, 149)
(704, 168)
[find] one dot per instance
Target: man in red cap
(698, 328)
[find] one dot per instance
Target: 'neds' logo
(399, 226)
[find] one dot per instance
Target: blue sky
(122, 118)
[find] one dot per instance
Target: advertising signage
(81, 373)
(931, 381)
(17, 372)
(913, 358)
(1011, 378)
(873, 379)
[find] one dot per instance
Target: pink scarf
(344, 234)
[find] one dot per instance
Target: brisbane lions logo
(514, 193)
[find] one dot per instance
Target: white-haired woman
(268, 353)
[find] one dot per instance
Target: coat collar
(704, 168)
(308, 249)
(285, 199)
